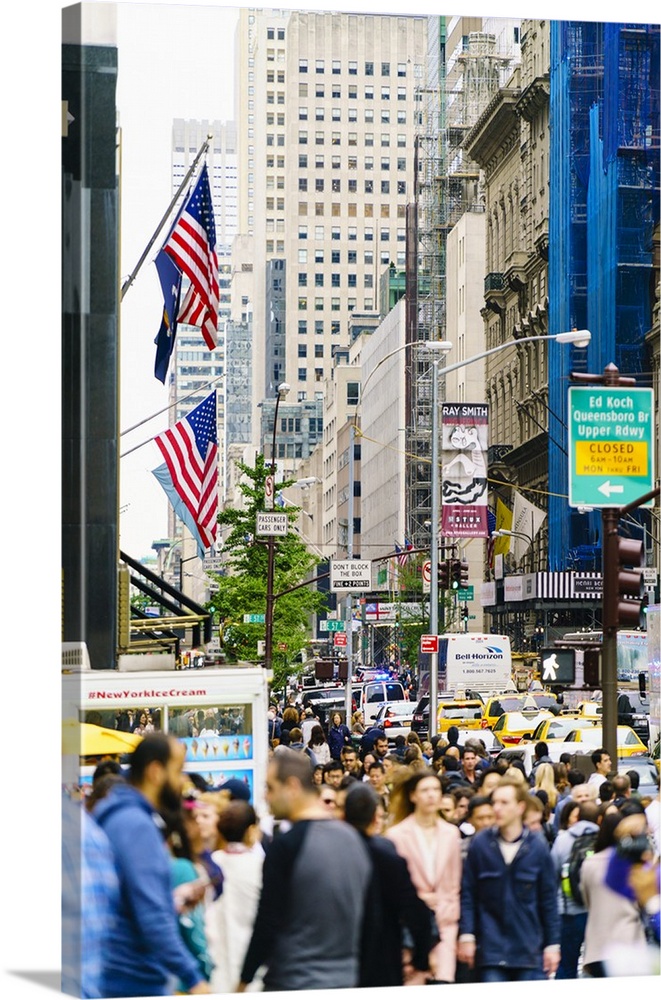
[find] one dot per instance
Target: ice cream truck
(219, 714)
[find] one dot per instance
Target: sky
(30, 67)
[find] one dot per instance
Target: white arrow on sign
(607, 489)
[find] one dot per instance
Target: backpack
(570, 877)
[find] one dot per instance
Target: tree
(243, 589)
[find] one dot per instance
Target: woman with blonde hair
(545, 779)
(432, 849)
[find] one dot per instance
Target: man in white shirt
(603, 766)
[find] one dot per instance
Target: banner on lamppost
(464, 446)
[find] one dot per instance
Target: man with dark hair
(144, 954)
(500, 861)
(602, 766)
(333, 773)
(541, 757)
(350, 761)
(307, 939)
(393, 904)
(606, 792)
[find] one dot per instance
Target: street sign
(429, 644)
(558, 666)
(611, 447)
(253, 619)
(340, 639)
(466, 593)
(213, 564)
(271, 524)
(269, 492)
(426, 576)
(331, 626)
(350, 574)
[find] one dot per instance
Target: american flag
(192, 246)
(491, 542)
(402, 554)
(190, 450)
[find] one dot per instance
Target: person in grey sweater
(307, 940)
(573, 917)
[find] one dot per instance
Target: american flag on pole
(402, 554)
(491, 542)
(190, 473)
(192, 246)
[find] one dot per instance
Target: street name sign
(272, 524)
(253, 619)
(466, 594)
(330, 625)
(350, 574)
(611, 449)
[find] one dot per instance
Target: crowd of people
(376, 865)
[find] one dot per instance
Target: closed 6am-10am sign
(611, 451)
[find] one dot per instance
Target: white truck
(474, 661)
(177, 702)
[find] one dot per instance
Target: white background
(29, 937)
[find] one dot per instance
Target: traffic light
(443, 575)
(592, 668)
(464, 613)
(630, 597)
(463, 574)
(455, 582)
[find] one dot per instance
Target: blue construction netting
(603, 207)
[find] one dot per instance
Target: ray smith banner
(464, 444)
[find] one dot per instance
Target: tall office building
(326, 168)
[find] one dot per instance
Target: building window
(335, 279)
(319, 90)
(302, 65)
(318, 255)
(335, 138)
(318, 232)
(319, 304)
(302, 327)
(302, 256)
(352, 185)
(353, 68)
(385, 187)
(319, 184)
(369, 115)
(319, 114)
(302, 138)
(302, 114)
(318, 208)
(385, 211)
(369, 163)
(336, 184)
(319, 138)
(302, 279)
(319, 327)
(352, 233)
(401, 187)
(369, 281)
(369, 233)
(303, 161)
(302, 232)
(302, 302)
(369, 138)
(302, 374)
(368, 209)
(369, 69)
(385, 138)
(319, 66)
(318, 350)
(302, 183)
(335, 232)
(385, 117)
(353, 138)
(352, 280)
(385, 163)
(319, 280)
(353, 91)
(302, 208)
(369, 93)
(336, 114)
(319, 161)
(385, 93)
(352, 162)
(302, 352)
(335, 305)
(401, 118)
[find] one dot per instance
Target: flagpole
(131, 278)
(165, 408)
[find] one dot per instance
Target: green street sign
(332, 625)
(466, 594)
(611, 448)
(253, 619)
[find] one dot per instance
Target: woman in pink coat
(432, 849)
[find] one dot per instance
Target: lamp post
(283, 389)
(581, 338)
(507, 533)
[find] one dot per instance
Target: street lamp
(507, 533)
(282, 391)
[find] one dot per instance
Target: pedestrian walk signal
(558, 666)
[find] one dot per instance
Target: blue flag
(170, 278)
(163, 476)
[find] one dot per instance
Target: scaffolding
(459, 86)
(604, 207)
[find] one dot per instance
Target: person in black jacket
(397, 932)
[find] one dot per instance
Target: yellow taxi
(498, 704)
(513, 727)
(629, 743)
(463, 713)
(555, 730)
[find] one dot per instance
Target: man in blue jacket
(509, 927)
(144, 953)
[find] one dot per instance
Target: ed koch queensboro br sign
(611, 452)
